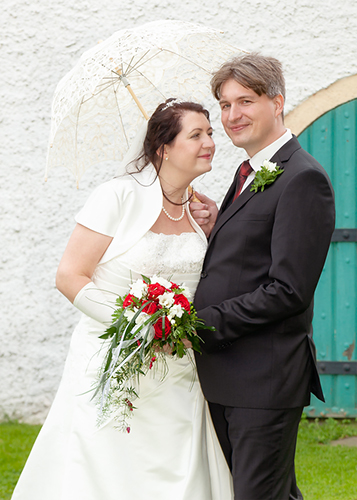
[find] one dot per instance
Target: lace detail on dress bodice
(171, 256)
(166, 254)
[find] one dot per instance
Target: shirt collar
(267, 153)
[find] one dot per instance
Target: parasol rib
(120, 116)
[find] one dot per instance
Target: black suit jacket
(264, 258)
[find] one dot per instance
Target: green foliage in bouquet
(154, 320)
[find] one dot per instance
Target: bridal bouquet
(154, 316)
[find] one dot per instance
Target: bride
(137, 223)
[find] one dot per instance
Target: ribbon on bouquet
(144, 335)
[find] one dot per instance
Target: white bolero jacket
(125, 208)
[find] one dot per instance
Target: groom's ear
(279, 105)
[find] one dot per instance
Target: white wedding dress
(172, 452)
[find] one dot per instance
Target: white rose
(138, 289)
(186, 292)
(166, 299)
(269, 165)
(141, 318)
(129, 314)
(175, 311)
(162, 281)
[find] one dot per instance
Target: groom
(265, 255)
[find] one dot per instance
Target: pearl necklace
(173, 218)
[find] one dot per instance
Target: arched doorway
(332, 140)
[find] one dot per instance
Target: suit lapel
(228, 209)
(228, 198)
(283, 155)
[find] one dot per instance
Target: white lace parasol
(95, 114)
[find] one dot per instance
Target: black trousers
(259, 446)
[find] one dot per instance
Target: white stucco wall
(316, 40)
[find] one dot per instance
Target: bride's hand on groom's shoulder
(204, 212)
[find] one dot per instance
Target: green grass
(16, 441)
(326, 472)
(323, 472)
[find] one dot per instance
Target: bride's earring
(166, 158)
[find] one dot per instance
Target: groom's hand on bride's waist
(168, 350)
(204, 212)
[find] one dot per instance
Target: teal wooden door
(332, 141)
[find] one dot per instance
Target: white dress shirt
(267, 153)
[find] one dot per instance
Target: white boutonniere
(266, 175)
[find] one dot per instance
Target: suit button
(203, 274)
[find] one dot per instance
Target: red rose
(128, 300)
(182, 301)
(151, 307)
(154, 290)
(158, 328)
(174, 286)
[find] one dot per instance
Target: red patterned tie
(243, 173)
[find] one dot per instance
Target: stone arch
(321, 102)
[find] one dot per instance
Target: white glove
(92, 302)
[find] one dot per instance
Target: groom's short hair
(260, 73)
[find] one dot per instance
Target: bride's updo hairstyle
(163, 127)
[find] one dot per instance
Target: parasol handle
(146, 116)
(127, 85)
